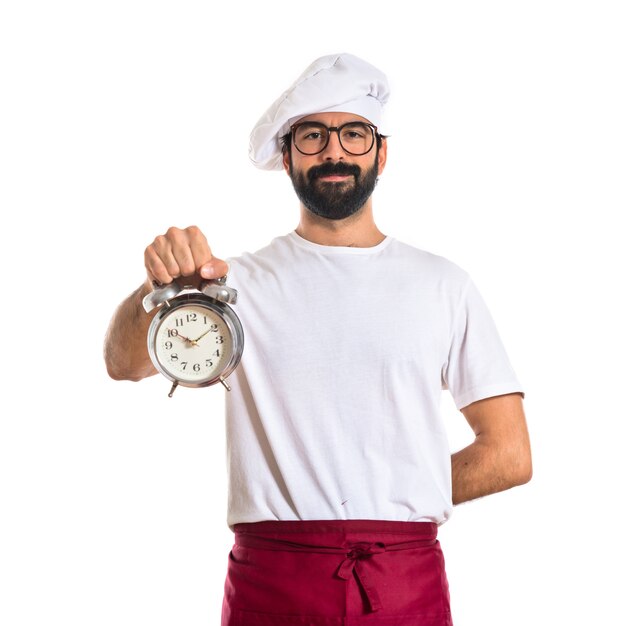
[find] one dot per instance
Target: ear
(286, 162)
(382, 155)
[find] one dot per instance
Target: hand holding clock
(195, 305)
(178, 252)
(182, 252)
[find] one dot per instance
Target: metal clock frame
(170, 298)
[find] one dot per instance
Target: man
(339, 468)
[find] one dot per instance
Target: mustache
(334, 169)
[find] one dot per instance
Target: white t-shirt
(334, 411)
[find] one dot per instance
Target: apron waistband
(317, 536)
(280, 528)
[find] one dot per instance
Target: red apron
(336, 573)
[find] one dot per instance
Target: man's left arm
(499, 458)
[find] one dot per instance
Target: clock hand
(193, 342)
(202, 335)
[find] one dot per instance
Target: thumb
(215, 268)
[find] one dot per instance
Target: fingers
(189, 248)
(182, 252)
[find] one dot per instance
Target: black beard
(334, 200)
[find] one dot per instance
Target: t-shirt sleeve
(478, 366)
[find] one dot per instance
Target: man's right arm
(176, 253)
(125, 345)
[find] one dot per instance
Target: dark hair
(285, 142)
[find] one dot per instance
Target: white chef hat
(337, 82)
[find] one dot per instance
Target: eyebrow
(324, 124)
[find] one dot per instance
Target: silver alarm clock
(195, 339)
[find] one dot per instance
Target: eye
(310, 133)
(355, 132)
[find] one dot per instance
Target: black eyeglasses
(356, 138)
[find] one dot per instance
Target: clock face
(193, 344)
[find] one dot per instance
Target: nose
(333, 150)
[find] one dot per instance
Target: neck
(358, 230)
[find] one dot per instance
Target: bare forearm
(125, 347)
(476, 473)
(500, 456)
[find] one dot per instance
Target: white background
(121, 118)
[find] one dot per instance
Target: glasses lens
(312, 137)
(356, 138)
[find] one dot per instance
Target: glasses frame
(337, 129)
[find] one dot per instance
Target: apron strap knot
(351, 563)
